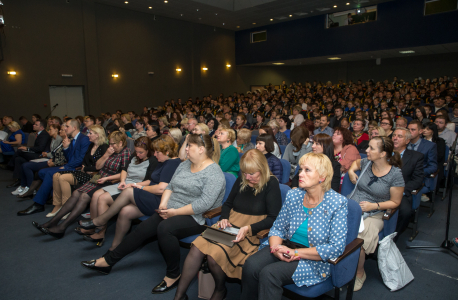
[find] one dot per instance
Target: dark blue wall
(400, 24)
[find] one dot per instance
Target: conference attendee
(137, 179)
(344, 123)
(25, 154)
(315, 205)
(285, 124)
(324, 126)
(139, 130)
(240, 122)
(267, 129)
(450, 125)
(229, 159)
(387, 124)
(445, 133)
(413, 174)
(430, 133)
(27, 127)
(358, 134)
(56, 158)
(259, 122)
(16, 138)
(125, 118)
(335, 121)
(420, 115)
(212, 125)
(74, 151)
(112, 162)
(427, 148)
(163, 124)
(153, 132)
(380, 187)
(176, 134)
(243, 140)
(252, 206)
(297, 118)
(197, 186)
(5, 121)
(299, 146)
(322, 143)
(377, 131)
(88, 121)
(199, 128)
(345, 152)
(265, 144)
(281, 137)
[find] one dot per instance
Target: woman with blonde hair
(244, 143)
(201, 128)
(16, 138)
(163, 124)
(229, 160)
(299, 254)
(176, 134)
(377, 131)
(252, 206)
(127, 122)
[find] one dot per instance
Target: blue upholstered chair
(363, 155)
(343, 269)
(409, 119)
(253, 139)
(212, 216)
(390, 217)
(286, 170)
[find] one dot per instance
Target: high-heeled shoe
(37, 226)
(162, 287)
(57, 235)
(99, 242)
(88, 224)
(78, 230)
(91, 266)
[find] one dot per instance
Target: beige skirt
(231, 260)
(372, 227)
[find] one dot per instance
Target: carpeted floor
(36, 266)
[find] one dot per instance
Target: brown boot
(34, 186)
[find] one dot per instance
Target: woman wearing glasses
(387, 125)
(197, 186)
(380, 187)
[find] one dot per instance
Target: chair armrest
(212, 213)
(263, 234)
(434, 174)
(389, 213)
(349, 249)
(415, 192)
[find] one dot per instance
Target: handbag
(205, 281)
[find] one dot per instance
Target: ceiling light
(278, 63)
(290, 16)
(11, 72)
(335, 6)
(166, 1)
(150, 7)
(334, 58)
(348, 3)
(181, 14)
(126, 2)
(254, 23)
(228, 66)
(205, 69)
(271, 19)
(114, 75)
(178, 70)
(407, 52)
(238, 26)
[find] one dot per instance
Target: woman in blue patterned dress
(310, 229)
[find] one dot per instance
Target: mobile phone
(286, 255)
(158, 211)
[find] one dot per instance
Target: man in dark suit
(25, 154)
(429, 150)
(74, 151)
(412, 171)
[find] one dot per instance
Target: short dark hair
(42, 123)
(268, 141)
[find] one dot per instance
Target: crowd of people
(168, 163)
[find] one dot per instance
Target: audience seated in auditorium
(324, 126)
(253, 205)
(27, 127)
(243, 140)
(112, 162)
(293, 247)
(16, 138)
(345, 151)
(285, 123)
(197, 186)
(265, 144)
(281, 137)
(445, 133)
(299, 146)
(268, 130)
(379, 187)
(229, 160)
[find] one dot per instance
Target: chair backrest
(363, 155)
(297, 170)
(286, 170)
(409, 119)
(282, 149)
(240, 155)
(230, 180)
(284, 189)
(31, 140)
(253, 139)
(353, 220)
(255, 132)
(347, 185)
(130, 145)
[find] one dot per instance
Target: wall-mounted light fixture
(11, 72)
(114, 75)
(178, 70)
(228, 65)
(205, 69)
(67, 75)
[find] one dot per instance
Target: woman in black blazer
(431, 134)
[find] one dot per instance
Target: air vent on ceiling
(301, 14)
(281, 18)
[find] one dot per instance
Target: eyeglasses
(111, 144)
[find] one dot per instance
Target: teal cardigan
(230, 161)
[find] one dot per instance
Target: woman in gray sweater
(197, 186)
(300, 145)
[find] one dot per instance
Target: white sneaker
(17, 191)
(24, 190)
(424, 198)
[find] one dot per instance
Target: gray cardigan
(294, 160)
(54, 144)
(204, 190)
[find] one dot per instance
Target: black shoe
(16, 183)
(37, 226)
(34, 208)
(162, 287)
(88, 224)
(98, 241)
(78, 230)
(91, 265)
(57, 235)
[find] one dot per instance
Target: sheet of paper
(39, 160)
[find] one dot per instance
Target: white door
(69, 99)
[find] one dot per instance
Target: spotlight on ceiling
(271, 19)
(150, 7)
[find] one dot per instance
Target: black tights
(192, 266)
(76, 204)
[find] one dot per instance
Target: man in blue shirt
(324, 126)
(74, 151)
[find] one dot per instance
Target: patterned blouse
(327, 232)
(114, 164)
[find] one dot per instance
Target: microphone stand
(53, 108)
(446, 244)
